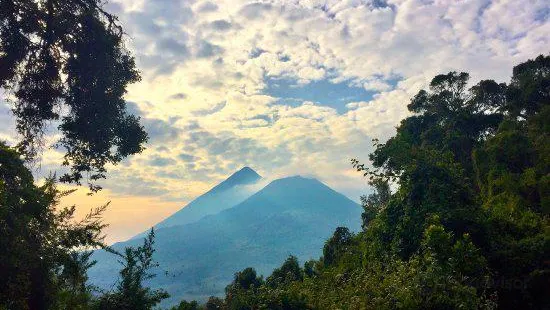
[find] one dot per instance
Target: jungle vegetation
(459, 216)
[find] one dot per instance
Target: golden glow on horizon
(127, 216)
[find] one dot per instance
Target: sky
(285, 87)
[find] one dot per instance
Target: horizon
(255, 187)
(302, 96)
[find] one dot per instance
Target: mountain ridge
(243, 176)
(292, 215)
(224, 195)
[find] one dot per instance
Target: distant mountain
(293, 215)
(225, 195)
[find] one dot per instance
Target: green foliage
(40, 267)
(338, 244)
(214, 303)
(468, 223)
(373, 203)
(247, 291)
(310, 269)
(528, 93)
(131, 294)
(186, 305)
(240, 293)
(45, 257)
(75, 293)
(69, 56)
(513, 178)
(289, 272)
(246, 279)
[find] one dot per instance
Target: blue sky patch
(322, 92)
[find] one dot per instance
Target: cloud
(188, 157)
(177, 96)
(255, 10)
(216, 108)
(207, 6)
(172, 46)
(220, 25)
(160, 130)
(135, 185)
(207, 49)
(133, 108)
(377, 85)
(158, 161)
(296, 87)
(307, 82)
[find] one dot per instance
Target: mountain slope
(289, 216)
(224, 195)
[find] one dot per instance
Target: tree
(214, 303)
(240, 292)
(310, 268)
(373, 203)
(131, 294)
(187, 305)
(75, 293)
(513, 170)
(289, 271)
(247, 279)
(479, 160)
(529, 90)
(248, 291)
(65, 61)
(38, 240)
(448, 119)
(467, 225)
(337, 245)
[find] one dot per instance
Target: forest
(459, 216)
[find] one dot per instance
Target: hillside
(292, 215)
(222, 196)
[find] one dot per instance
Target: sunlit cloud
(294, 87)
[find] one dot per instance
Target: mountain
(293, 215)
(225, 195)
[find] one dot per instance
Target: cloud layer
(296, 87)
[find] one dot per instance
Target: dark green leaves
(39, 263)
(65, 62)
(131, 294)
(466, 226)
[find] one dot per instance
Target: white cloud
(205, 66)
(376, 85)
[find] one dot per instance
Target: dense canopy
(467, 225)
(65, 62)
